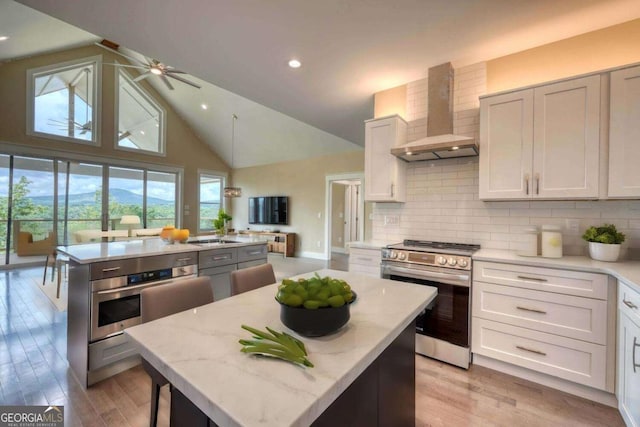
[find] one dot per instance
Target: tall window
(140, 118)
(210, 199)
(63, 101)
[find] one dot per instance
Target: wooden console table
(284, 243)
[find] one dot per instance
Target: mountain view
(123, 197)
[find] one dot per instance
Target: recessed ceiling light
(294, 63)
(141, 132)
(454, 148)
(409, 153)
(3, 38)
(204, 106)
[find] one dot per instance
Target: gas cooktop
(436, 247)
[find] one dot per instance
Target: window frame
(150, 99)
(223, 202)
(96, 109)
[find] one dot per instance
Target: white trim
(223, 201)
(96, 109)
(313, 255)
(148, 97)
(327, 203)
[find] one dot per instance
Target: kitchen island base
(383, 395)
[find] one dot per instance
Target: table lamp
(129, 221)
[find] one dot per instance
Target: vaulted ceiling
(349, 50)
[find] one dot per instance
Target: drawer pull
(365, 259)
(106, 270)
(535, 279)
(534, 310)
(629, 304)
(531, 350)
(183, 259)
(633, 355)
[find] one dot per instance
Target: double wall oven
(443, 329)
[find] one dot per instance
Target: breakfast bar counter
(373, 354)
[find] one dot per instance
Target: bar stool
(248, 279)
(165, 300)
(56, 261)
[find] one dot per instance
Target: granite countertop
(108, 251)
(627, 271)
(198, 352)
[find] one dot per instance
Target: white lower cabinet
(540, 319)
(629, 355)
(365, 260)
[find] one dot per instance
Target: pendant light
(232, 191)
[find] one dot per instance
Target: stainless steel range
(443, 329)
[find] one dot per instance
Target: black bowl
(317, 322)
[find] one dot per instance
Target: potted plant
(220, 223)
(604, 242)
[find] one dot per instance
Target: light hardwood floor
(33, 370)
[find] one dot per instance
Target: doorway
(344, 218)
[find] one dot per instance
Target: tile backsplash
(442, 196)
(442, 204)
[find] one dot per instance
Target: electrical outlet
(371, 217)
(572, 226)
(318, 243)
(391, 220)
(319, 215)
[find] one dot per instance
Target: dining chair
(56, 261)
(165, 300)
(251, 278)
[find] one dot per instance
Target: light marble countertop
(107, 251)
(198, 352)
(627, 271)
(369, 244)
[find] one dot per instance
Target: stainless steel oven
(443, 329)
(115, 301)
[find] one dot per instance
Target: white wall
(442, 196)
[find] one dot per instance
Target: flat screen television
(268, 210)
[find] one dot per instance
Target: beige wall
(337, 215)
(184, 149)
(304, 182)
(593, 51)
(390, 101)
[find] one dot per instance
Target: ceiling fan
(66, 124)
(152, 67)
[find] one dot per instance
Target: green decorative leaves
(605, 234)
(276, 344)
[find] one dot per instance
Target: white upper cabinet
(506, 145)
(384, 173)
(624, 133)
(541, 143)
(566, 149)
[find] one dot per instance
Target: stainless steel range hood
(440, 142)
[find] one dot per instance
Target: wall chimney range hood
(440, 142)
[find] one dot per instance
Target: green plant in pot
(604, 242)
(220, 223)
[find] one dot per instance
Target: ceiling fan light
(3, 38)
(155, 70)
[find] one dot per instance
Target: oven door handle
(448, 278)
(142, 286)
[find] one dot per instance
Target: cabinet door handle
(107, 270)
(534, 310)
(530, 350)
(526, 182)
(633, 355)
(537, 183)
(629, 304)
(536, 279)
(391, 190)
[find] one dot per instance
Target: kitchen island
(105, 280)
(364, 374)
